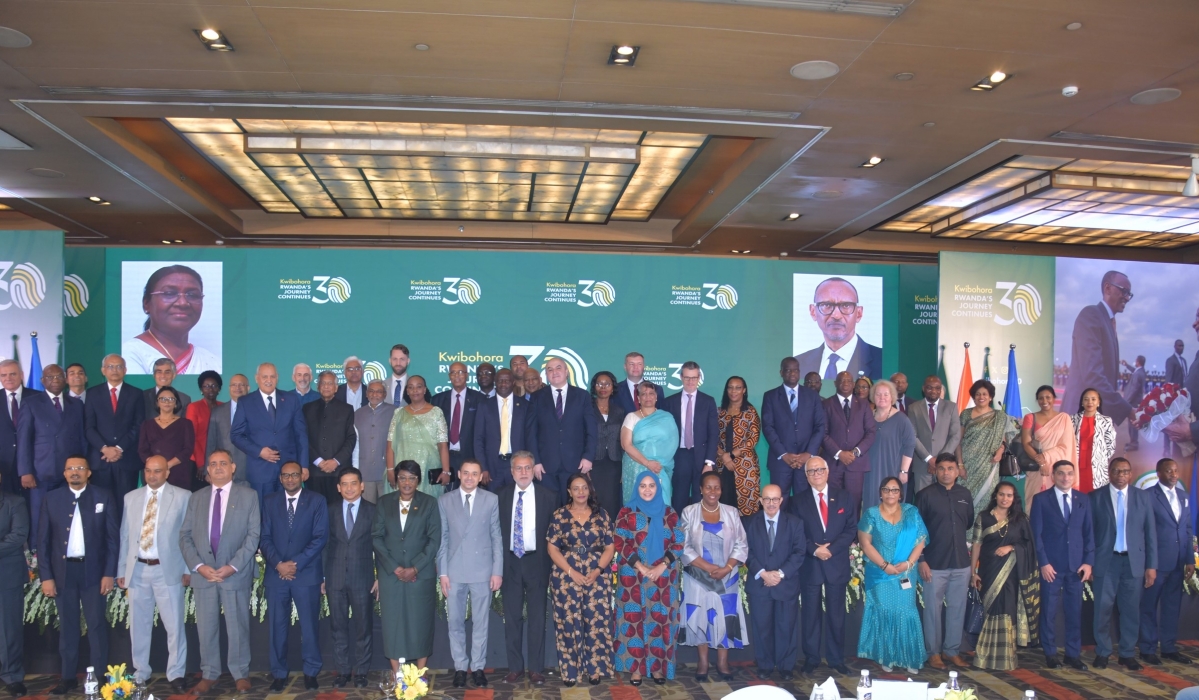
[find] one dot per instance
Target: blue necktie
(794, 402)
(291, 512)
(396, 397)
(1121, 545)
(830, 372)
(1066, 506)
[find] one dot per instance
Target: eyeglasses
(53, 376)
(818, 470)
(171, 296)
(891, 490)
(1123, 292)
(75, 469)
(166, 399)
(291, 475)
(210, 385)
(772, 500)
(120, 366)
(845, 307)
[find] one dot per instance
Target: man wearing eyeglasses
(836, 310)
(164, 375)
(1095, 350)
(113, 415)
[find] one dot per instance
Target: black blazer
(790, 549)
(563, 442)
(350, 557)
(341, 396)
(522, 433)
(705, 423)
(151, 395)
(47, 438)
(470, 413)
(330, 433)
(107, 429)
(842, 531)
(14, 532)
(101, 531)
(624, 396)
(8, 437)
(546, 503)
(607, 444)
(1095, 363)
(1175, 374)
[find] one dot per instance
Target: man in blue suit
(460, 406)
(1125, 560)
(566, 429)
(695, 415)
(626, 392)
(79, 538)
(777, 548)
(1175, 562)
(50, 430)
(836, 311)
(830, 520)
(14, 396)
(505, 425)
(113, 414)
(1065, 540)
(793, 423)
(269, 427)
(295, 528)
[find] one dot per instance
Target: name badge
(905, 583)
(99, 507)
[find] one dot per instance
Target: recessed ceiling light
(783, 254)
(178, 240)
(94, 198)
(988, 83)
(421, 47)
(929, 124)
(814, 70)
(873, 161)
(210, 34)
(792, 216)
(904, 76)
(166, 242)
(998, 77)
(213, 39)
(623, 55)
(1156, 96)
(625, 50)
(12, 39)
(742, 252)
(98, 200)
(1074, 26)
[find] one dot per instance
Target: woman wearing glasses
(168, 435)
(173, 302)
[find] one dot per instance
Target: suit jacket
(858, 431)
(866, 359)
(390, 385)
(220, 425)
(1173, 534)
(330, 434)
(101, 533)
(104, 428)
(790, 549)
(414, 545)
(253, 429)
(787, 435)
(522, 433)
(563, 442)
(471, 398)
(1175, 374)
(303, 542)
(151, 395)
(1140, 533)
(172, 506)
(1095, 363)
(624, 396)
(1065, 546)
(239, 535)
(46, 438)
(903, 402)
(1134, 390)
(933, 441)
(9, 433)
(373, 439)
(545, 502)
(349, 557)
(1192, 385)
(14, 532)
(841, 532)
(705, 423)
(472, 549)
(342, 392)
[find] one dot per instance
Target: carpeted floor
(1059, 684)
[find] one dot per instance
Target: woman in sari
(1048, 436)
(1095, 435)
(892, 536)
(1004, 560)
(740, 429)
(985, 433)
(649, 438)
(419, 433)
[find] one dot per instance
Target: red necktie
(113, 391)
(823, 511)
(456, 420)
(932, 416)
(637, 396)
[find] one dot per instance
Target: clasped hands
(652, 573)
(580, 579)
(797, 461)
(893, 569)
(219, 575)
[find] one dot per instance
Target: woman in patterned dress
(1095, 435)
(740, 429)
(649, 543)
(986, 431)
(580, 545)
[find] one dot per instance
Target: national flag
(987, 364)
(965, 382)
(941, 373)
(1011, 398)
(35, 365)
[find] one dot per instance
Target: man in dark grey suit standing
(14, 574)
(221, 423)
(938, 430)
(350, 576)
(1095, 350)
(1134, 391)
(1176, 365)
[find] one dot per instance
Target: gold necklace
(705, 507)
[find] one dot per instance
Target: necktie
(15, 408)
(830, 372)
(1184, 365)
(1066, 506)
(823, 510)
(518, 534)
(456, 420)
(349, 520)
(468, 505)
(1173, 503)
(636, 396)
(770, 533)
(58, 405)
(214, 530)
(847, 409)
(147, 539)
(932, 416)
(688, 419)
(270, 407)
(791, 399)
(291, 512)
(505, 439)
(398, 393)
(113, 391)
(558, 404)
(1121, 545)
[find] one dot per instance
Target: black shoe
(310, 682)
(842, 669)
(459, 679)
(278, 684)
(569, 684)
(701, 678)
(1100, 661)
(636, 681)
(1151, 659)
(1052, 662)
(17, 689)
(763, 674)
(65, 686)
(479, 678)
(595, 681)
(340, 680)
(786, 675)
(1076, 663)
(1176, 657)
(179, 686)
(360, 681)
(659, 681)
(809, 667)
(1130, 663)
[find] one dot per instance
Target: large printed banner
(31, 296)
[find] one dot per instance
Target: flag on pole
(941, 374)
(1011, 397)
(987, 364)
(35, 364)
(965, 382)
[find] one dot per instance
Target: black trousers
(12, 635)
(832, 631)
(526, 584)
(605, 478)
(71, 594)
(357, 630)
(775, 632)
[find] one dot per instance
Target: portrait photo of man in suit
(1095, 350)
(838, 311)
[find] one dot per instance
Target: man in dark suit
(830, 519)
(505, 425)
(79, 537)
(1176, 365)
(460, 405)
(295, 528)
(1133, 392)
(331, 437)
(900, 380)
(777, 548)
(270, 429)
(793, 422)
(626, 392)
(50, 430)
(220, 425)
(836, 311)
(164, 375)
(1185, 432)
(566, 429)
(1095, 350)
(525, 511)
(77, 381)
(14, 574)
(113, 416)
(1064, 536)
(694, 413)
(851, 431)
(485, 378)
(15, 395)
(350, 583)
(1125, 560)
(1176, 563)
(353, 392)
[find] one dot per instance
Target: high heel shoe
(725, 675)
(636, 681)
(659, 681)
(701, 678)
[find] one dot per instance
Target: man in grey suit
(397, 384)
(373, 423)
(222, 420)
(937, 430)
(152, 569)
(1125, 560)
(218, 537)
(1176, 365)
(14, 574)
(470, 562)
(350, 580)
(164, 375)
(1134, 391)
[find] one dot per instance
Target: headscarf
(655, 510)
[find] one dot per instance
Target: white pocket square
(99, 507)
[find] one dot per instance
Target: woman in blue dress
(892, 536)
(650, 438)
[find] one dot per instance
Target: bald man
(777, 548)
(113, 415)
(270, 429)
(837, 311)
(566, 429)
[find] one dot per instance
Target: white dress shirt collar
(267, 397)
(845, 353)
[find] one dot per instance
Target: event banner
(918, 312)
(31, 294)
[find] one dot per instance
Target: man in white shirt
(626, 392)
(837, 311)
(397, 383)
(777, 547)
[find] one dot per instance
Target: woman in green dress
(650, 438)
(407, 534)
(419, 433)
(985, 433)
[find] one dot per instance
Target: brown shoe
(243, 685)
(958, 661)
(203, 687)
(513, 677)
(935, 661)
(537, 678)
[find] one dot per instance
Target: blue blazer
(302, 543)
(1140, 534)
(253, 430)
(9, 435)
(842, 531)
(1065, 546)
(101, 531)
(104, 428)
(46, 438)
(1173, 535)
(343, 392)
(522, 433)
(790, 549)
(705, 426)
(624, 397)
(787, 436)
(561, 443)
(471, 398)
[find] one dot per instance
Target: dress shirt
(1057, 495)
(345, 508)
(1116, 512)
(816, 499)
(51, 397)
(266, 400)
(75, 542)
(632, 387)
(460, 398)
(1110, 314)
(843, 356)
(769, 520)
(9, 397)
(232, 411)
(403, 380)
(152, 552)
(949, 515)
(565, 389)
(1172, 499)
(529, 518)
(110, 390)
(404, 505)
(841, 401)
(489, 394)
(75, 396)
(500, 403)
(474, 496)
(354, 398)
(1182, 362)
(683, 417)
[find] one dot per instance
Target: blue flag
(1011, 398)
(35, 365)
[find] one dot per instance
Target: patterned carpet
(1059, 684)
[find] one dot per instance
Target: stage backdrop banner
(918, 294)
(31, 295)
(992, 302)
(83, 309)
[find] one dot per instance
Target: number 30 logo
(27, 287)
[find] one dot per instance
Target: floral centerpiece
(967, 694)
(120, 685)
(410, 682)
(1168, 403)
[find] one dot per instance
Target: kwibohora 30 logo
(74, 295)
(596, 293)
(576, 367)
(26, 286)
(330, 289)
(1023, 302)
(709, 295)
(460, 290)
(374, 372)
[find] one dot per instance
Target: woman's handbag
(974, 612)
(1008, 464)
